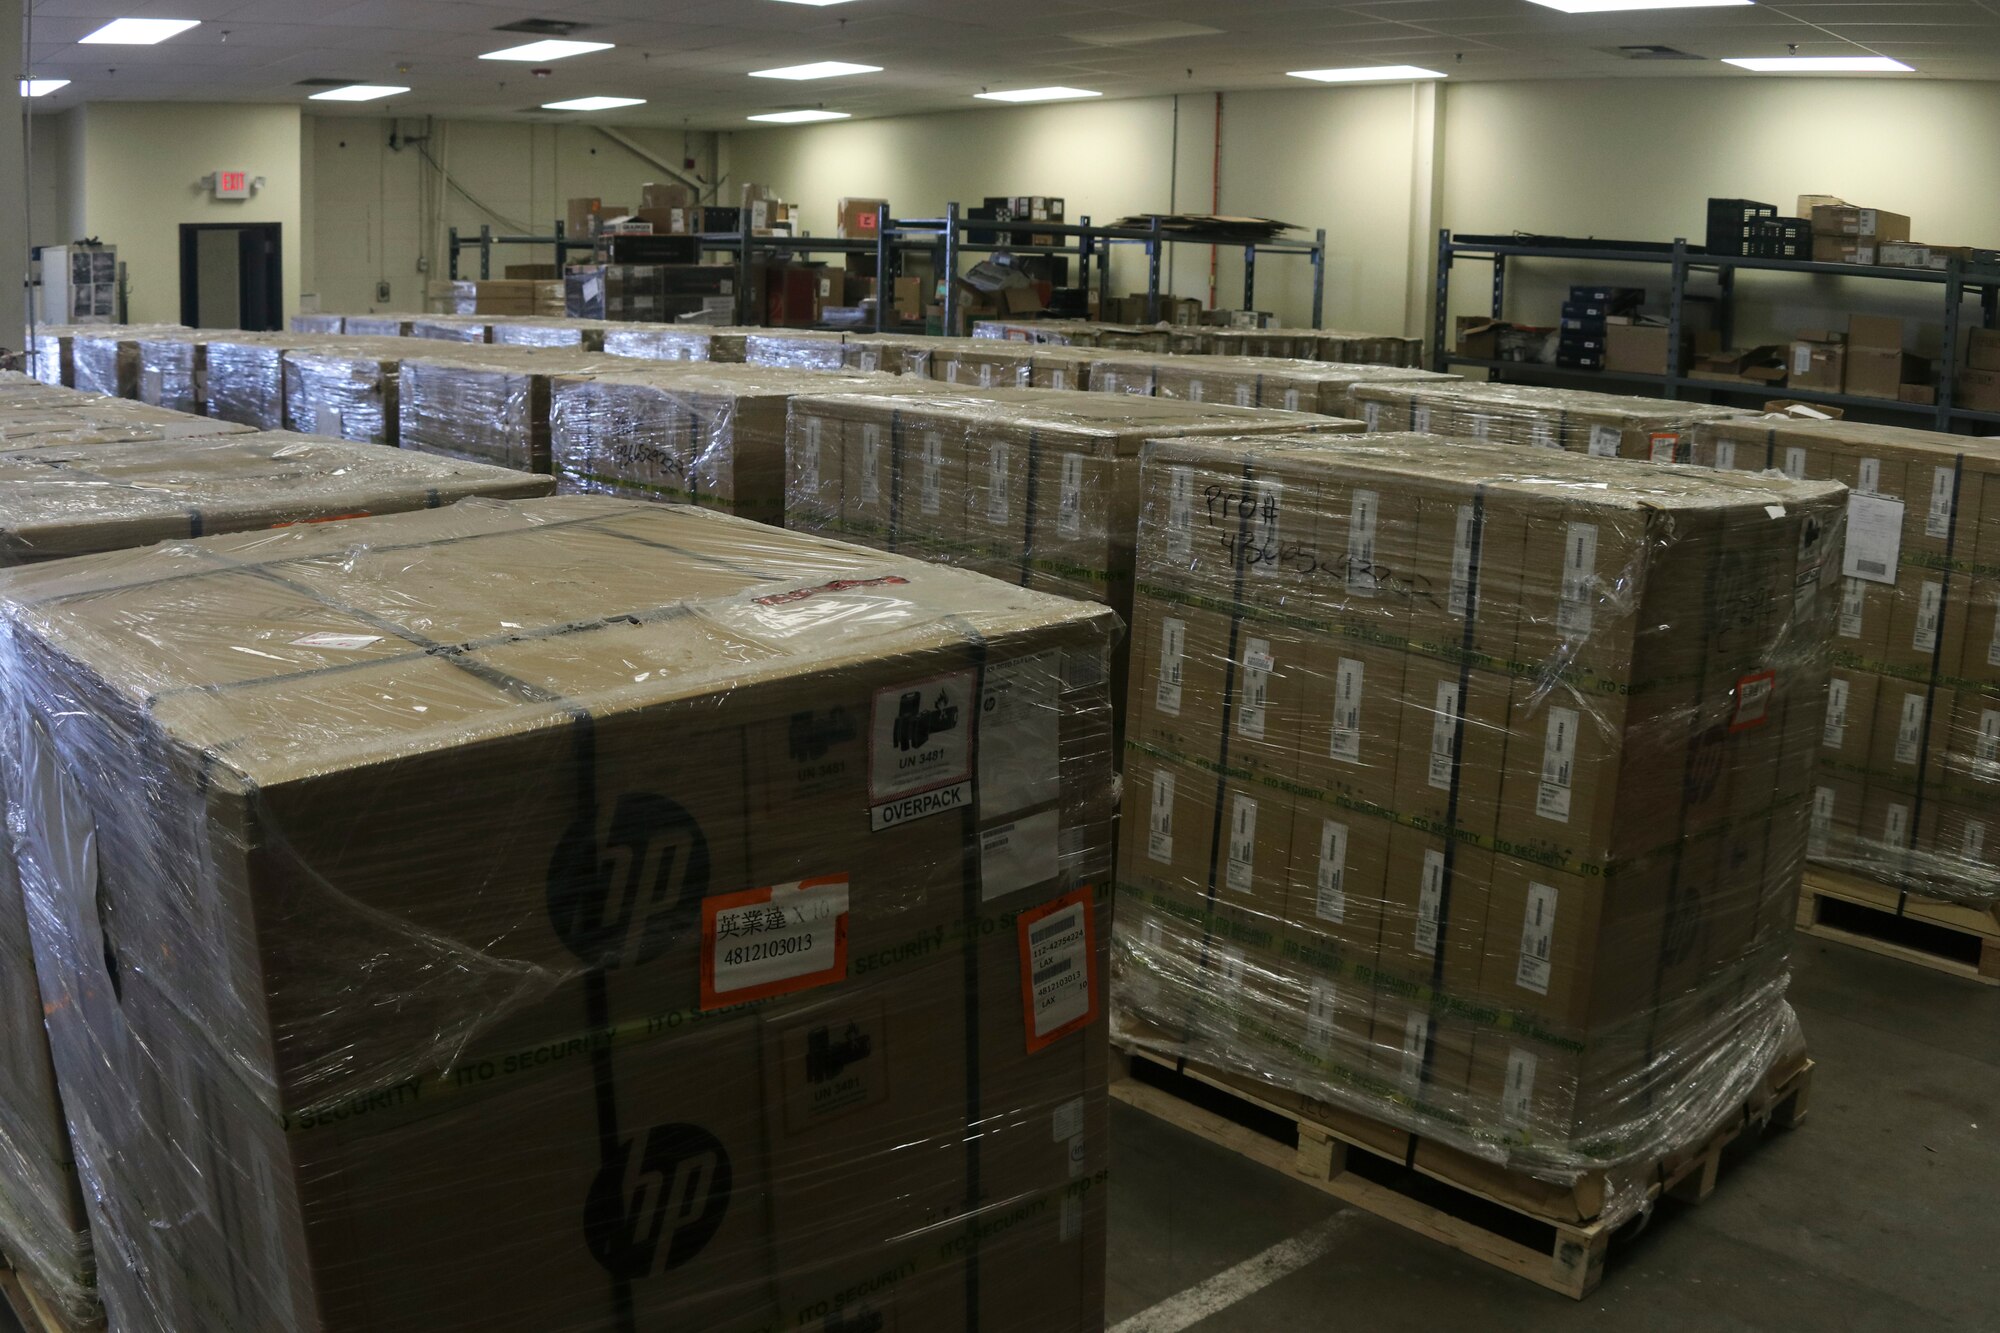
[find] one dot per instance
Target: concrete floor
(1879, 1213)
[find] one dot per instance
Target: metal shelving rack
(746, 245)
(486, 240)
(1685, 261)
(1092, 247)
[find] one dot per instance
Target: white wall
(13, 210)
(55, 204)
(375, 210)
(136, 173)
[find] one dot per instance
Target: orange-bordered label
(1058, 968)
(773, 941)
(1753, 700)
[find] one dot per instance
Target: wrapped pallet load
(703, 434)
(989, 364)
(1249, 381)
(668, 342)
(77, 499)
(106, 358)
(346, 390)
(315, 322)
(645, 919)
(380, 326)
(1605, 425)
(1906, 799)
(795, 349)
(1471, 788)
(487, 404)
(585, 335)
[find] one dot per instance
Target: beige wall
(136, 170)
(55, 204)
(14, 210)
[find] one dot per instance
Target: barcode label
(1420, 418)
(996, 483)
(1173, 648)
(1930, 609)
(1795, 463)
(1479, 426)
(1973, 845)
(1430, 903)
(1542, 434)
(1558, 765)
(1254, 697)
(1180, 513)
(1833, 735)
(1986, 744)
(1579, 581)
(809, 458)
(1362, 578)
(1518, 1095)
(1538, 929)
(1160, 819)
(1194, 392)
(1725, 455)
(1322, 1003)
(871, 462)
(1444, 734)
(1348, 682)
(1371, 416)
(1330, 900)
(1663, 447)
(1242, 872)
(1896, 825)
(1416, 1042)
(1870, 480)
(1604, 441)
(1910, 729)
(1819, 833)
(1460, 601)
(1853, 601)
(932, 473)
(1069, 514)
(1944, 499)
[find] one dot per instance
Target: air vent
(544, 27)
(327, 83)
(1657, 53)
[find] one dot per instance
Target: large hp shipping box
(489, 404)
(72, 501)
(106, 360)
(667, 342)
(1601, 424)
(1249, 381)
(642, 919)
(1469, 786)
(1907, 790)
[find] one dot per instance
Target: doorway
(232, 275)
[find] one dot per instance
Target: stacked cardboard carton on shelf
(704, 434)
(463, 975)
(73, 498)
(1249, 381)
(1602, 424)
(1470, 786)
(1977, 383)
(1845, 234)
(1907, 789)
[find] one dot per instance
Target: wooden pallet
(1553, 1235)
(35, 1312)
(1946, 937)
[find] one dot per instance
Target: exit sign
(232, 185)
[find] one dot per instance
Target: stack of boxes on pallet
(1600, 424)
(1582, 340)
(1470, 787)
(462, 975)
(1907, 792)
(1295, 386)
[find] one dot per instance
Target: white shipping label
(1538, 928)
(1865, 222)
(1479, 426)
(871, 359)
(1819, 833)
(1362, 577)
(1518, 1095)
(871, 462)
(1986, 745)
(1194, 393)
(1020, 712)
(1059, 968)
(1853, 601)
(1604, 441)
(1833, 735)
(1173, 648)
(1322, 1003)
(1241, 875)
(1291, 400)
(1245, 395)
(342, 642)
(1416, 1041)
(795, 933)
(1910, 729)
(1444, 734)
(920, 749)
(1348, 682)
(1371, 416)
(1069, 1213)
(1067, 1121)
(1802, 358)
(1058, 378)
(1993, 648)
(1869, 482)
(1944, 502)
(809, 458)
(1930, 608)
(1420, 418)
(931, 473)
(1542, 434)
(1579, 581)
(1264, 537)
(1430, 903)
(1725, 455)
(1180, 513)
(1795, 463)
(326, 421)
(1330, 899)
(1160, 818)
(1152, 935)
(996, 483)
(1255, 695)
(1558, 765)
(986, 376)
(951, 371)
(1018, 855)
(1461, 599)
(149, 385)
(1973, 846)
(1069, 513)
(1663, 447)
(1896, 825)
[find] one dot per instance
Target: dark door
(232, 275)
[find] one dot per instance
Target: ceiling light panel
(1820, 64)
(824, 69)
(552, 49)
(357, 92)
(1366, 74)
(1056, 94)
(41, 87)
(593, 103)
(799, 117)
(1631, 6)
(138, 32)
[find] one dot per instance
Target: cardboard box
(856, 218)
(784, 1130)
(1637, 349)
(1871, 225)
(1842, 250)
(1819, 361)
(1982, 349)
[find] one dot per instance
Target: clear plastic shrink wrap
(1469, 788)
(105, 359)
(666, 342)
(890, 353)
(35, 415)
(643, 920)
(344, 392)
(1908, 786)
(794, 349)
(465, 328)
(380, 326)
(1248, 381)
(318, 323)
(245, 375)
(586, 335)
(75, 501)
(51, 354)
(705, 434)
(986, 364)
(1606, 425)
(173, 371)
(490, 405)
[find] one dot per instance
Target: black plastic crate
(1779, 238)
(1730, 223)
(1585, 302)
